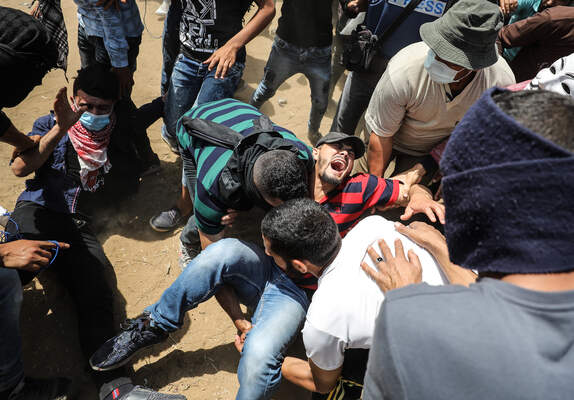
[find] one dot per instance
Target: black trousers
(83, 269)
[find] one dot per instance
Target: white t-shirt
(418, 112)
(344, 307)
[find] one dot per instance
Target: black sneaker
(136, 334)
(41, 389)
(122, 389)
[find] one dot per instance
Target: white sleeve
(326, 351)
(388, 105)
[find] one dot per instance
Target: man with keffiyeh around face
(55, 206)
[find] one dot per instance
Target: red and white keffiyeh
(92, 149)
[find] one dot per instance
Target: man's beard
(331, 180)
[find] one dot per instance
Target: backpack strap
(212, 132)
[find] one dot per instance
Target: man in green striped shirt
(269, 175)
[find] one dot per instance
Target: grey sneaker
(167, 220)
(186, 254)
(41, 389)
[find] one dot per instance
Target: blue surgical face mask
(94, 122)
(440, 72)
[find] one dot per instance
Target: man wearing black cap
(348, 197)
(509, 201)
(249, 272)
(428, 86)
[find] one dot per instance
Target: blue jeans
(189, 235)
(287, 60)
(192, 84)
(359, 88)
(11, 368)
(280, 307)
(170, 43)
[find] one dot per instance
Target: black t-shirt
(306, 23)
(207, 25)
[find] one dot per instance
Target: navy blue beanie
(509, 195)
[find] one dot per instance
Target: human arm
(384, 117)
(421, 201)
(379, 153)
(434, 242)
(309, 376)
(534, 29)
(27, 255)
(224, 57)
(33, 158)
(19, 140)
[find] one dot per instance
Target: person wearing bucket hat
(509, 216)
(428, 86)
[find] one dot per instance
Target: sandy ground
(200, 360)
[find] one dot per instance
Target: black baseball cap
(336, 137)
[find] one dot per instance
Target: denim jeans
(190, 235)
(280, 307)
(192, 84)
(11, 368)
(287, 60)
(359, 88)
(170, 43)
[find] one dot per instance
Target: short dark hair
(280, 174)
(548, 114)
(97, 81)
(300, 229)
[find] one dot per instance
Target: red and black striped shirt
(355, 195)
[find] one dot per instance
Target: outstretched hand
(421, 201)
(224, 58)
(65, 116)
(396, 271)
(426, 236)
(28, 255)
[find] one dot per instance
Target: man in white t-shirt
(343, 311)
(428, 86)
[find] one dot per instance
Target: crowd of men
(468, 108)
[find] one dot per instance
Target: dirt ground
(200, 360)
